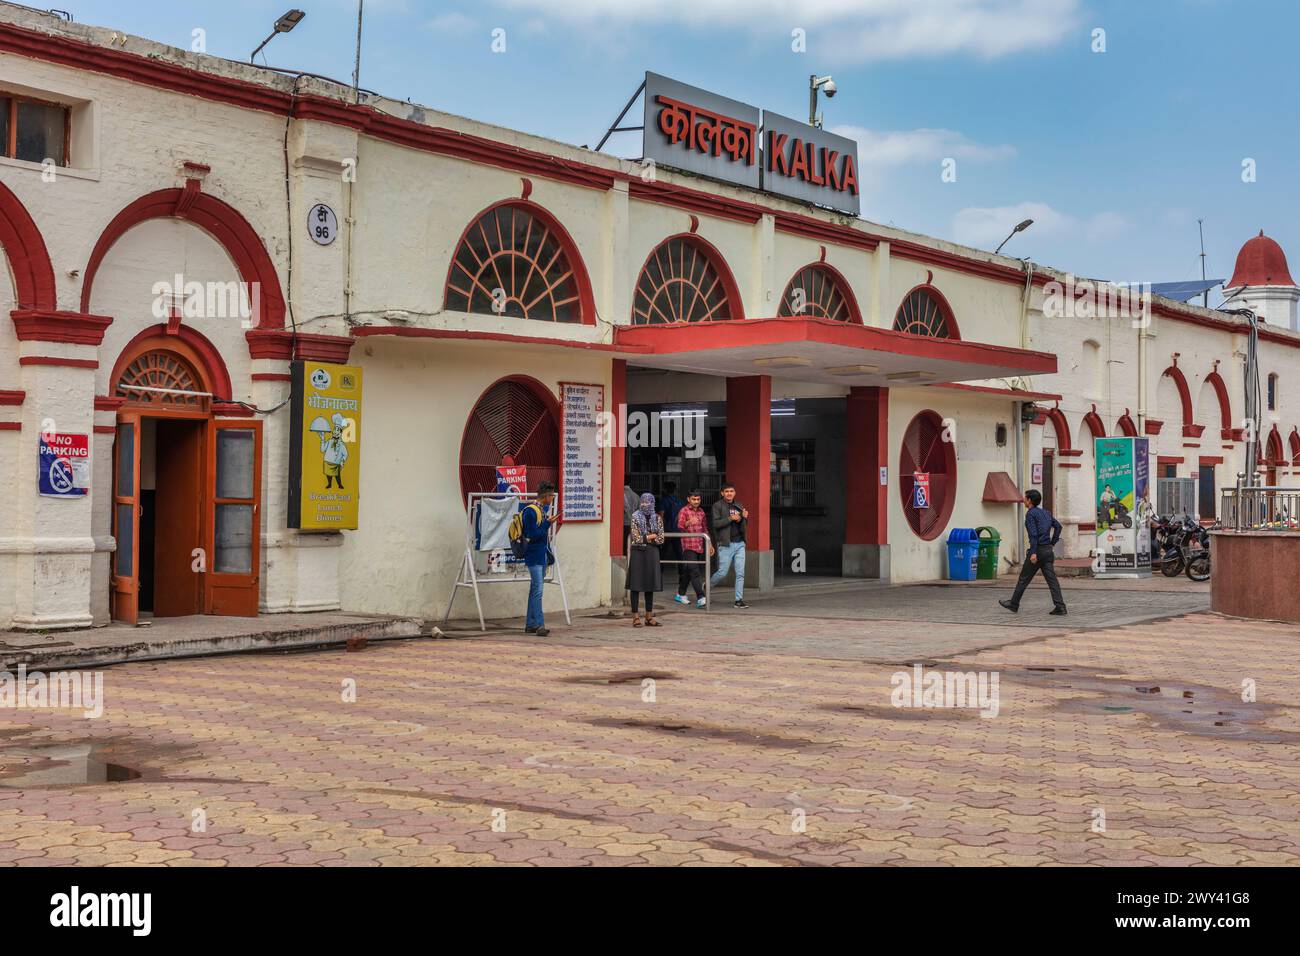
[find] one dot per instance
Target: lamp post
(815, 83)
(1020, 227)
(283, 25)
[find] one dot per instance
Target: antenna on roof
(1205, 301)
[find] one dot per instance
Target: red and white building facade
(664, 291)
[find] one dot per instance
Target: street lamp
(1020, 227)
(816, 83)
(283, 25)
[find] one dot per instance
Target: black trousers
(1047, 564)
(691, 575)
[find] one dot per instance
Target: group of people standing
(648, 523)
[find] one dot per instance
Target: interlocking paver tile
(487, 752)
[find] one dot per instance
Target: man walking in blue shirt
(1043, 531)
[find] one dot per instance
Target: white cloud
(849, 30)
(919, 146)
(985, 227)
(453, 22)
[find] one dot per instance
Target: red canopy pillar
(749, 468)
(866, 483)
(617, 457)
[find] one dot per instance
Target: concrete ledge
(193, 637)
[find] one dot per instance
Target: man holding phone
(730, 519)
(537, 523)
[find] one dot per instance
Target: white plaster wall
(975, 418)
(405, 557)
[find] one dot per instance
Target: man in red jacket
(691, 520)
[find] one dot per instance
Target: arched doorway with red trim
(187, 495)
(926, 450)
(515, 423)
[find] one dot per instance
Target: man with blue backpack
(529, 539)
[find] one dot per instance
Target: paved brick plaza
(496, 750)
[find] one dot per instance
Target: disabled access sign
(63, 465)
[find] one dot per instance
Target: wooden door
(124, 590)
(178, 577)
(233, 526)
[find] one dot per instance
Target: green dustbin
(990, 541)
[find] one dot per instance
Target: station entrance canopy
(822, 351)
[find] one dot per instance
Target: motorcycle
(1197, 553)
(1168, 538)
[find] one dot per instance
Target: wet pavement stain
(730, 735)
(1187, 707)
(620, 677)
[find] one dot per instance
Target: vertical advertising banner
(1123, 505)
(324, 446)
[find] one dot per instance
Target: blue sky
(1115, 154)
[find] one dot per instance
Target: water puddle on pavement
(60, 765)
(1180, 706)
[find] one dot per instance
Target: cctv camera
(829, 88)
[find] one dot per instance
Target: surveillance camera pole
(812, 101)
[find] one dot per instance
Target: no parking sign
(512, 479)
(63, 469)
(921, 489)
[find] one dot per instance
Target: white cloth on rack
(493, 531)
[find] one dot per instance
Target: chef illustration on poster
(332, 448)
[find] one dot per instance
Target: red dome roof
(1261, 261)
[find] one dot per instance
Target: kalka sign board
(809, 164)
(700, 132)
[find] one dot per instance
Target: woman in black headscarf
(644, 573)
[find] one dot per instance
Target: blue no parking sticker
(63, 465)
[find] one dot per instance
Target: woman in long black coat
(644, 572)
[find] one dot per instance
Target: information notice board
(582, 468)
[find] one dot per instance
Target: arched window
(926, 450)
(1272, 392)
(819, 291)
(160, 377)
(926, 312)
(685, 280)
(515, 422)
(515, 260)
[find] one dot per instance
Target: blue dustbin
(963, 554)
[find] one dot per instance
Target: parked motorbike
(1168, 538)
(1197, 553)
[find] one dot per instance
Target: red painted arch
(1295, 446)
(548, 400)
(194, 346)
(219, 220)
(29, 260)
(1057, 418)
(1274, 454)
(586, 299)
(729, 288)
(1215, 381)
(837, 279)
(1184, 393)
(1095, 425)
(1126, 425)
(954, 331)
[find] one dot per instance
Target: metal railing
(704, 561)
(1260, 508)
